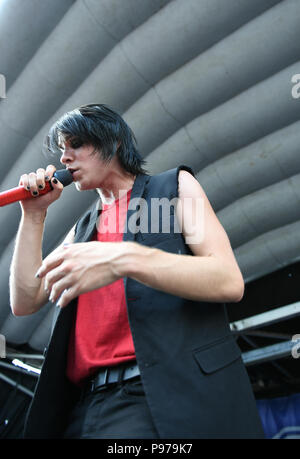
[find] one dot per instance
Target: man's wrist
(36, 217)
(133, 259)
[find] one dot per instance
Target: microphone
(19, 193)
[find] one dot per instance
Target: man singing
(141, 346)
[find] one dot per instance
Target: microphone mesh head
(64, 176)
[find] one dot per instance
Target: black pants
(117, 411)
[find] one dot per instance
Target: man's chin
(80, 187)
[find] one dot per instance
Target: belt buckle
(104, 384)
(105, 376)
(92, 386)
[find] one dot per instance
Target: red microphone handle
(20, 194)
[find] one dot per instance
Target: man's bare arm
(27, 294)
(212, 274)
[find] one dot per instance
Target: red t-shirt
(101, 334)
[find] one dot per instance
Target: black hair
(103, 128)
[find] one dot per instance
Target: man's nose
(66, 156)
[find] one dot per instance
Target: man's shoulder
(166, 182)
(173, 172)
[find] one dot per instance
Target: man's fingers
(24, 181)
(56, 184)
(55, 258)
(49, 264)
(52, 277)
(59, 287)
(40, 178)
(67, 296)
(49, 172)
(33, 184)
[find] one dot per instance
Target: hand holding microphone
(44, 182)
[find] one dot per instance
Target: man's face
(86, 166)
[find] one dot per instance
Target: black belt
(111, 375)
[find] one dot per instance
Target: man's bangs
(70, 126)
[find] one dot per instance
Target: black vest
(195, 382)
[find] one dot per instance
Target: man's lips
(74, 173)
